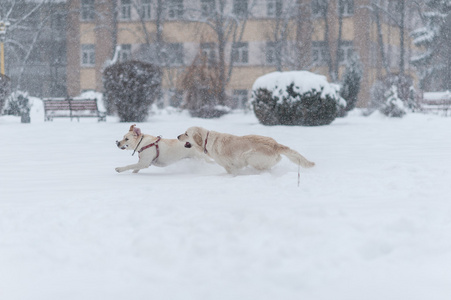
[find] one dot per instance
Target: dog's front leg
(142, 164)
(135, 167)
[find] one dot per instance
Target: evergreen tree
(434, 65)
(393, 106)
(351, 82)
(5, 87)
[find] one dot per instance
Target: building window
(87, 10)
(346, 7)
(175, 9)
(239, 99)
(319, 53)
(125, 53)
(172, 54)
(88, 55)
(318, 8)
(271, 53)
(126, 9)
(240, 53)
(240, 7)
(208, 52)
(345, 52)
(274, 8)
(207, 7)
(146, 9)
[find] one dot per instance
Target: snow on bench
(71, 108)
(436, 102)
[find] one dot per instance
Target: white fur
(171, 150)
(235, 152)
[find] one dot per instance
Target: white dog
(235, 152)
(153, 150)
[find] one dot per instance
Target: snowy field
(371, 221)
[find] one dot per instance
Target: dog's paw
(119, 169)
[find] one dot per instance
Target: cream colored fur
(236, 152)
(171, 150)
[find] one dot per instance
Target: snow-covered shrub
(295, 98)
(393, 106)
(19, 105)
(5, 83)
(202, 89)
(350, 86)
(130, 89)
(404, 87)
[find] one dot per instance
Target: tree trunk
(401, 37)
(340, 31)
(380, 40)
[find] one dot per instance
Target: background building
(245, 38)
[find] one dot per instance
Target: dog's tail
(295, 157)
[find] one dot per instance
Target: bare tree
(376, 10)
(226, 25)
(394, 13)
(322, 7)
(156, 48)
(339, 39)
(35, 46)
(282, 50)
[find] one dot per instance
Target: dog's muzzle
(118, 144)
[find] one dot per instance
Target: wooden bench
(436, 102)
(71, 108)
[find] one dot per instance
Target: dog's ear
(198, 139)
(136, 131)
(132, 127)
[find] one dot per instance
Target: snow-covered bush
(17, 104)
(393, 106)
(404, 87)
(130, 89)
(5, 83)
(295, 98)
(350, 86)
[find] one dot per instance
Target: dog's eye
(126, 139)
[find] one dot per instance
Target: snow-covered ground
(371, 221)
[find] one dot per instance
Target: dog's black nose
(117, 143)
(179, 137)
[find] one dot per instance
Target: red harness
(151, 145)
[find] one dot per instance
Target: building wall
(105, 33)
(73, 48)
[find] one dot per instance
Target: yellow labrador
(153, 150)
(235, 152)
